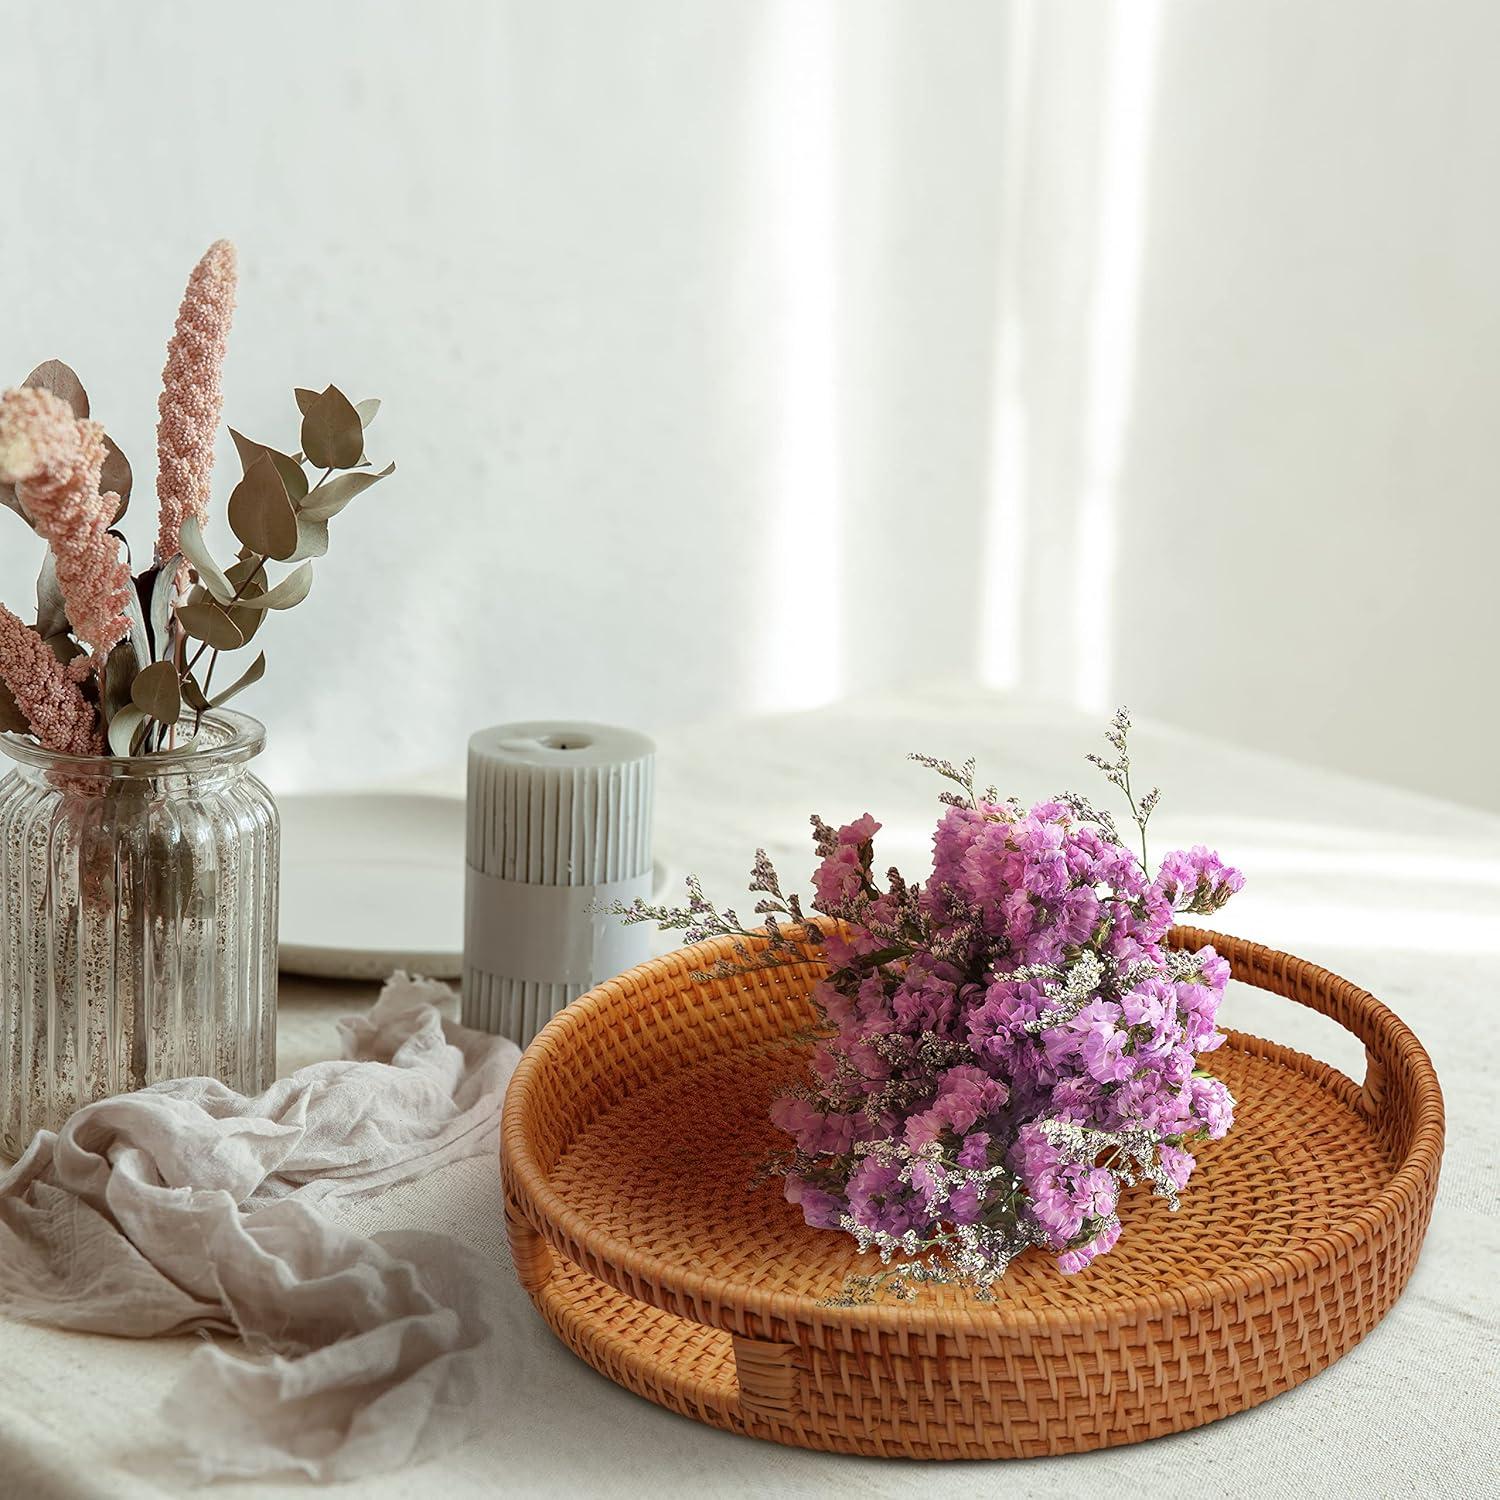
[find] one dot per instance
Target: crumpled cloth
(187, 1206)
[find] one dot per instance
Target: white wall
(1319, 374)
(743, 355)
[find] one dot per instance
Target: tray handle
(531, 1255)
(768, 1378)
(1354, 1009)
(1375, 1089)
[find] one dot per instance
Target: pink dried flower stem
(192, 395)
(46, 691)
(54, 460)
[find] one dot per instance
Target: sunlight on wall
(1125, 131)
(1421, 889)
(1314, 924)
(796, 161)
(1004, 547)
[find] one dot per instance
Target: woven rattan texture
(634, 1129)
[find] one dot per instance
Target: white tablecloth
(1398, 892)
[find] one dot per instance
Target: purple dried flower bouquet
(1007, 1046)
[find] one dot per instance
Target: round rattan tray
(636, 1122)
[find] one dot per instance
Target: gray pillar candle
(559, 820)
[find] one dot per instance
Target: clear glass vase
(138, 903)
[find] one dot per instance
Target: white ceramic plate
(374, 881)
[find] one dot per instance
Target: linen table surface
(1398, 892)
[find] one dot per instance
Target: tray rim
(747, 1310)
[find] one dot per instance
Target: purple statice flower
(1073, 1260)
(1155, 1100)
(880, 1201)
(818, 1132)
(1177, 1164)
(1198, 999)
(839, 879)
(1004, 1050)
(1078, 1098)
(975, 1151)
(924, 1002)
(820, 1209)
(956, 832)
(1001, 1018)
(844, 874)
(861, 1011)
(1197, 880)
(1212, 1107)
(1065, 1195)
(1033, 1152)
(844, 949)
(1150, 1011)
(966, 1203)
(1077, 916)
(1067, 1199)
(1097, 1040)
(966, 1096)
(1213, 969)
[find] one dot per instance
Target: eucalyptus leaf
(247, 448)
(195, 550)
(206, 621)
(292, 590)
(12, 720)
(334, 494)
(137, 637)
(121, 668)
(261, 513)
(53, 375)
(159, 601)
(332, 435)
(116, 477)
(312, 539)
(157, 692)
(304, 398)
(367, 410)
(248, 577)
(251, 675)
(192, 695)
(292, 474)
(126, 729)
(247, 619)
(51, 612)
(64, 647)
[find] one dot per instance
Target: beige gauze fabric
(186, 1206)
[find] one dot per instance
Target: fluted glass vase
(138, 903)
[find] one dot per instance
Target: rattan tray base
(653, 1258)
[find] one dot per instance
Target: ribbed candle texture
(559, 818)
